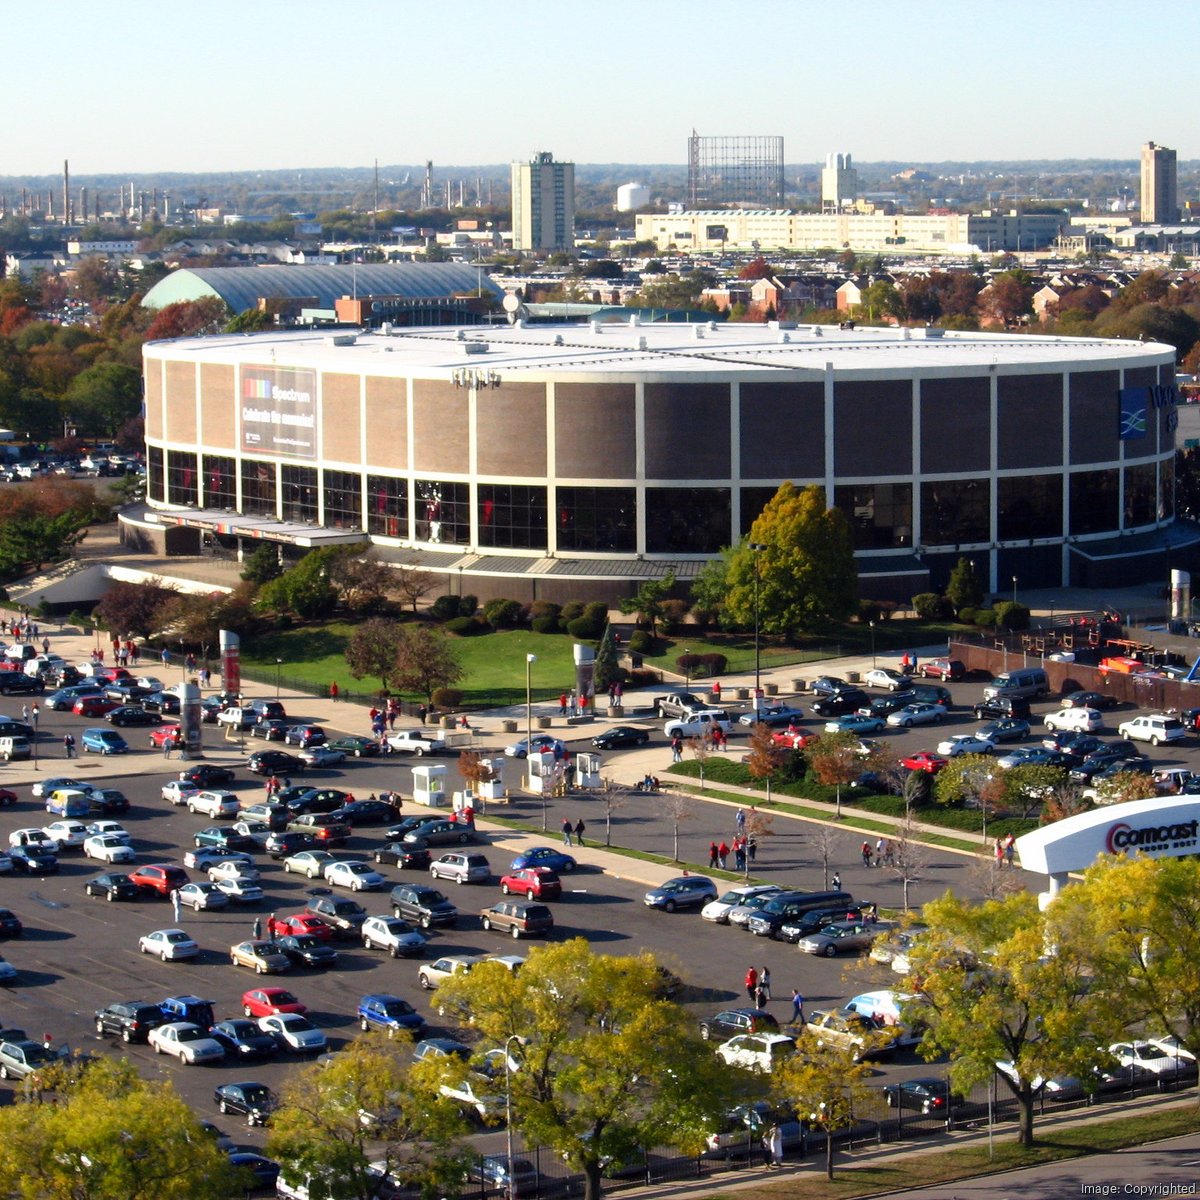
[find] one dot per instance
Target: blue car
(103, 741)
(544, 856)
(384, 1011)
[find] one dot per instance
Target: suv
(132, 1019)
(1002, 706)
(430, 975)
(517, 917)
(161, 878)
(14, 682)
(732, 1021)
(267, 710)
(424, 906)
(461, 867)
(943, 668)
(346, 916)
(851, 1031)
(840, 703)
(1155, 728)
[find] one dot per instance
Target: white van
(15, 747)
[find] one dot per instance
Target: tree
(306, 589)
(30, 541)
(614, 796)
(102, 398)
(1008, 298)
(757, 268)
(910, 857)
(189, 318)
(370, 1104)
(100, 1132)
(881, 299)
(425, 661)
(605, 1064)
(1125, 785)
(710, 584)
(964, 589)
(766, 757)
(263, 565)
(962, 777)
(806, 574)
(648, 603)
(362, 582)
(373, 649)
(834, 759)
(995, 995)
(134, 608)
(412, 583)
(677, 807)
(250, 320)
(606, 671)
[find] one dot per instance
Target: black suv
(841, 703)
(424, 906)
(208, 775)
(132, 1019)
(346, 916)
(732, 1021)
(883, 706)
(931, 693)
(18, 683)
(1002, 706)
(801, 925)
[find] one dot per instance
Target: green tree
(710, 584)
(102, 398)
(962, 777)
(32, 540)
(306, 589)
(606, 670)
(605, 1065)
(425, 661)
(103, 1133)
(263, 565)
(881, 300)
(371, 1104)
(373, 649)
(964, 589)
(806, 574)
(993, 994)
(250, 320)
(648, 603)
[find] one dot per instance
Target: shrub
(642, 677)
(1010, 615)
(571, 611)
(714, 663)
(546, 624)
(929, 606)
(444, 607)
(447, 697)
(465, 626)
(640, 642)
(467, 605)
(502, 614)
(887, 609)
(868, 610)
(691, 664)
(967, 615)
(584, 629)
(597, 612)
(985, 618)
(673, 615)
(544, 608)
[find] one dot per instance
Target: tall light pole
(756, 548)
(510, 1191)
(530, 659)
(687, 670)
(1014, 589)
(278, 667)
(872, 625)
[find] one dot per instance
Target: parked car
(197, 896)
(275, 762)
(851, 1031)
(255, 1100)
(774, 716)
(917, 714)
(294, 1032)
(888, 678)
(544, 856)
(130, 714)
(965, 743)
(388, 1012)
(422, 905)
(408, 857)
(304, 736)
(242, 1039)
(621, 735)
(927, 1094)
(461, 867)
(432, 974)
(942, 668)
(354, 745)
(1087, 699)
(1155, 728)
(855, 723)
(354, 874)
(542, 742)
(1076, 719)
(343, 915)
(393, 934)
(102, 741)
(518, 917)
(208, 775)
(113, 886)
(415, 741)
(309, 863)
(760, 1052)
(924, 760)
(307, 951)
(732, 1021)
(266, 1001)
(684, 891)
(534, 883)
(840, 937)
(444, 833)
(159, 878)
(171, 945)
(262, 957)
(213, 803)
(131, 1020)
(188, 1043)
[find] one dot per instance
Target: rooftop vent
(343, 339)
(475, 347)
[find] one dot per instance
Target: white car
(718, 910)
(202, 895)
(178, 791)
(1080, 720)
(354, 874)
(234, 868)
(151, 683)
(293, 1032)
(965, 743)
(189, 1043)
(757, 1051)
(257, 831)
(110, 828)
(392, 934)
(214, 804)
(168, 944)
(916, 714)
(34, 837)
(43, 787)
(109, 848)
(240, 891)
(203, 858)
(323, 756)
(1150, 1057)
(1170, 1044)
(70, 835)
(886, 677)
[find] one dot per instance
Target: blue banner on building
(1134, 403)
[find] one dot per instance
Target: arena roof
(241, 287)
(730, 350)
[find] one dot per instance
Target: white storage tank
(631, 196)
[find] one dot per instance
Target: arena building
(572, 461)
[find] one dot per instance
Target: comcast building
(573, 461)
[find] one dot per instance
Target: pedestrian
(25, 713)
(1009, 849)
(35, 712)
(562, 705)
(773, 1144)
(69, 745)
(797, 1007)
(422, 712)
(45, 645)
(334, 690)
(836, 882)
(889, 853)
(999, 852)
(914, 663)
(760, 995)
(166, 657)
(677, 749)
(739, 819)
(257, 928)
(866, 854)
(739, 855)
(579, 828)
(175, 904)
(712, 847)
(764, 981)
(752, 848)
(751, 983)
(722, 853)
(271, 927)
(168, 745)
(566, 831)
(879, 852)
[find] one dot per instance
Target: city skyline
(276, 85)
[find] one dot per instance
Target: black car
(1006, 729)
(17, 683)
(304, 735)
(308, 950)
(883, 706)
(125, 691)
(289, 842)
(132, 1019)
(355, 745)
(931, 1095)
(826, 685)
(256, 1100)
(262, 1172)
(366, 812)
(275, 762)
(621, 735)
(318, 800)
(1078, 745)
(64, 699)
(113, 886)
(801, 925)
(127, 714)
(840, 703)
(10, 924)
(729, 1022)
(207, 775)
(269, 731)
(225, 838)
(1098, 700)
(243, 1039)
(422, 905)
(108, 802)
(165, 704)
(402, 829)
(33, 860)
(405, 856)
(931, 693)
(1003, 706)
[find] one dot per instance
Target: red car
(534, 883)
(111, 674)
(94, 706)
(7, 797)
(160, 878)
(924, 760)
(166, 733)
(264, 1002)
(299, 924)
(793, 739)
(943, 668)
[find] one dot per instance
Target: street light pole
(872, 624)
(530, 659)
(278, 666)
(756, 548)
(510, 1191)
(1014, 589)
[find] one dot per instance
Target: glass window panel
(220, 482)
(880, 514)
(258, 488)
(1094, 502)
(1030, 506)
(155, 476)
(443, 512)
(343, 499)
(512, 516)
(387, 506)
(299, 485)
(1166, 489)
(596, 518)
(954, 511)
(687, 520)
(1141, 494)
(182, 483)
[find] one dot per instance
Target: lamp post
(1014, 589)
(35, 712)
(278, 666)
(756, 548)
(530, 659)
(520, 1041)
(687, 670)
(872, 625)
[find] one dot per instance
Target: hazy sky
(137, 86)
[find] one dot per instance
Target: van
(1029, 683)
(768, 919)
(21, 651)
(15, 747)
(268, 710)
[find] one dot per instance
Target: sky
(134, 86)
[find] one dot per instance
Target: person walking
(751, 847)
(257, 928)
(866, 854)
(751, 983)
(773, 1146)
(722, 853)
(168, 746)
(1010, 848)
(879, 852)
(69, 745)
(764, 982)
(836, 882)
(422, 712)
(175, 904)
(677, 749)
(797, 1007)
(739, 819)
(566, 831)
(579, 830)
(760, 995)
(739, 855)
(712, 852)
(562, 705)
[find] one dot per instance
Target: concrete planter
(545, 722)
(508, 726)
(772, 689)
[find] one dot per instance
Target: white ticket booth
(429, 785)
(493, 789)
(586, 769)
(545, 774)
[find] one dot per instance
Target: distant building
(746, 171)
(1160, 204)
(543, 204)
(631, 196)
(839, 183)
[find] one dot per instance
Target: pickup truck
(415, 741)
(238, 718)
(698, 723)
(678, 704)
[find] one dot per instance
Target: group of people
(758, 985)
(616, 694)
(578, 830)
(275, 785)
(744, 850)
(648, 783)
(576, 704)
(1006, 850)
(883, 854)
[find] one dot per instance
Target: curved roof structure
(242, 287)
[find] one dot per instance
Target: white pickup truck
(678, 704)
(415, 741)
(698, 723)
(238, 718)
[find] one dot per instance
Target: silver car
(461, 867)
(917, 714)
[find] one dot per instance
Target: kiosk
(429, 785)
(586, 770)
(546, 775)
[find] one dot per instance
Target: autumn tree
(1125, 785)
(425, 661)
(373, 649)
(805, 576)
(361, 580)
(412, 583)
(766, 756)
(1008, 298)
(756, 268)
(133, 608)
(834, 759)
(605, 1063)
(188, 318)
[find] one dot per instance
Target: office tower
(543, 204)
(839, 183)
(1160, 205)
